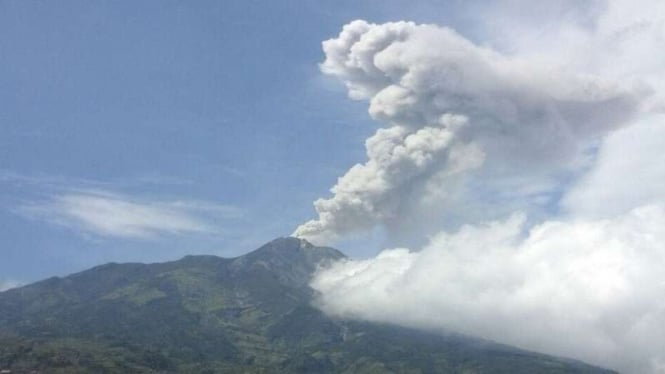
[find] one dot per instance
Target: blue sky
(214, 112)
(149, 130)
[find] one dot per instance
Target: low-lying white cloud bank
(592, 290)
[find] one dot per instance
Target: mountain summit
(293, 260)
(206, 314)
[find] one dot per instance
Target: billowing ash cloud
(401, 163)
(584, 279)
(453, 108)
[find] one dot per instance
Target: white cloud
(619, 39)
(629, 172)
(526, 119)
(590, 290)
(8, 284)
(106, 214)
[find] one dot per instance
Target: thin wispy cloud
(67, 182)
(8, 284)
(106, 214)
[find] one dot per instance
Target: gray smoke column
(453, 110)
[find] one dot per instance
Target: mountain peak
(293, 259)
(290, 241)
(296, 248)
(251, 313)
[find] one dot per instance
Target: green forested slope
(205, 314)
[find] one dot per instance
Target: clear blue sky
(213, 112)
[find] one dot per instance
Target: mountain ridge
(252, 313)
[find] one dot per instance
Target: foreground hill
(205, 314)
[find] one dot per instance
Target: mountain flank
(206, 314)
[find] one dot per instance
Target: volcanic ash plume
(455, 114)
